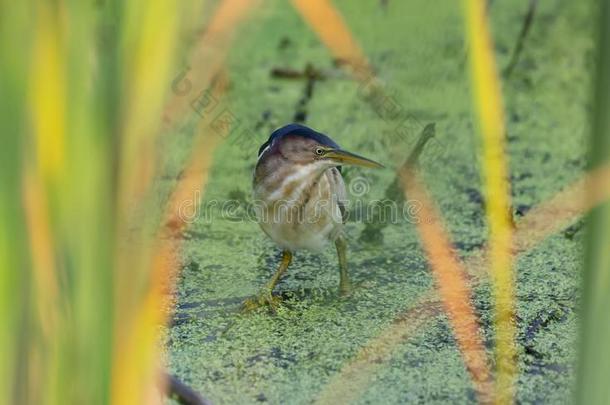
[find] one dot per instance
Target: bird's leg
(286, 259)
(345, 285)
(265, 297)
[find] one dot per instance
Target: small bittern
(300, 198)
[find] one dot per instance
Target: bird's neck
(289, 181)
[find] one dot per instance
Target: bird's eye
(319, 151)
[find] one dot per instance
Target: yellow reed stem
(490, 112)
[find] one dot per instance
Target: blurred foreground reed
(593, 387)
(83, 86)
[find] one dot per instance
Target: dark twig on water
(427, 134)
(527, 23)
(394, 190)
(311, 75)
(372, 231)
(309, 72)
(184, 394)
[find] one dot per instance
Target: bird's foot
(265, 299)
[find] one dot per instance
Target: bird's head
(302, 145)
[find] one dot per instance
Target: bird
(300, 199)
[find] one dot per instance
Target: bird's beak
(342, 157)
